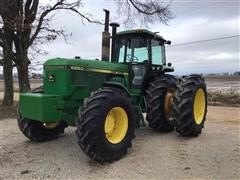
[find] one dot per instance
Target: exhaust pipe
(106, 38)
(114, 32)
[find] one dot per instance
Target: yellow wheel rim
(168, 102)
(50, 125)
(199, 106)
(116, 125)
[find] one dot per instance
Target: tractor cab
(144, 52)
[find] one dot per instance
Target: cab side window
(158, 56)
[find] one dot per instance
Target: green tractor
(106, 99)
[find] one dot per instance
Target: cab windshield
(137, 50)
(133, 50)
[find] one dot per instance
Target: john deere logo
(51, 78)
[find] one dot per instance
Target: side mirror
(169, 64)
(168, 42)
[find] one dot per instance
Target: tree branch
(84, 16)
(60, 5)
(146, 11)
(41, 19)
(31, 12)
(52, 34)
(148, 8)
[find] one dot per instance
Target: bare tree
(26, 25)
(23, 22)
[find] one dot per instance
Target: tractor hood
(86, 65)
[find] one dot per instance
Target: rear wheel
(38, 131)
(159, 103)
(106, 123)
(190, 105)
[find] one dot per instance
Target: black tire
(155, 98)
(183, 105)
(91, 122)
(35, 130)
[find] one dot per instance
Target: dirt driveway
(213, 155)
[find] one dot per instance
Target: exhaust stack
(106, 38)
(114, 33)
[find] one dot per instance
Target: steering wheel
(131, 58)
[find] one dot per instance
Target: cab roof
(141, 32)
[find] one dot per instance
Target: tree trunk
(8, 82)
(7, 68)
(23, 80)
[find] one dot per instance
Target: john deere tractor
(105, 99)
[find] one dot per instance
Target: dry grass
(221, 78)
(224, 98)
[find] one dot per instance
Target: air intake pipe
(114, 33)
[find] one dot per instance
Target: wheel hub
(50, 125)
(116, 125)
(168, 103)
(109, 124)
(199, 106)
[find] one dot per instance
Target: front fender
(116, 85)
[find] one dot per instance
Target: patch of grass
(220, 98)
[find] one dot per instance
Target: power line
(181, 44)
(206, 40)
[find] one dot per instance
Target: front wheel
(38, 131)
(106, 123)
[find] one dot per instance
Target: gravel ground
(215, 154)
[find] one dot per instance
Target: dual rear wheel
(181, 104)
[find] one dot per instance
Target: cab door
(137, 58)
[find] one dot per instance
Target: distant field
(34, 83)
(220, 88)
(223, 83)
(214, 83)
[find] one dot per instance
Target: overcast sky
(194, 20)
